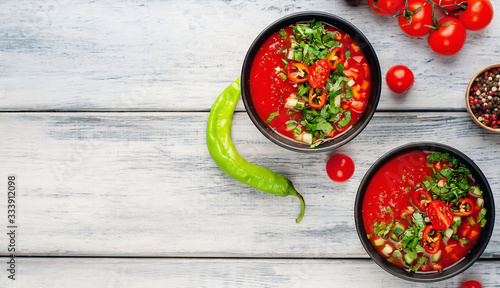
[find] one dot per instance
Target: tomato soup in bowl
(311, 82)
(424, 212)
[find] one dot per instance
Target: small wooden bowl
(467, 94)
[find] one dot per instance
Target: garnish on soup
(423, 211)
(310, 82)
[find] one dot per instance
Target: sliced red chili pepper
(335, 57)
(431, 239)
(297, 72)
(464, 207)
(319, 73)
(314, 95)
(421, 199)
(440, 214)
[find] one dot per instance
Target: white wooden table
(103, 113)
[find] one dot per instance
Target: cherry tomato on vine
(386, 7)
(477, 15)
(449, 37)
(340, 167)
(414, 17)
(440, 215)
(471, 284)
(399, 79)
(449, 5)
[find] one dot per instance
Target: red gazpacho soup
(310, 82)
(423, 211)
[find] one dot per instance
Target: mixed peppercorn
(484, 98)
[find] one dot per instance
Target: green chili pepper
(224, 153)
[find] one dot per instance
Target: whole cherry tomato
(440, 215)
(471, 284)
(477, 15)
(399, 79)
(386, 7)
(414, 17)
(448, 38)
(319, 73)
(340, 167)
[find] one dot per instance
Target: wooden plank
(179, 55)
(144, 184)
(77, 272)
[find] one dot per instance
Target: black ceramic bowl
(476, 251)
(361, 40)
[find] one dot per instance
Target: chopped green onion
(398, 231)
(419, 220)
(317, 143)
(297, 131)
(347, 54)
(271, 116)
(478, 191)
(481, 215)
(421, 262)
(283, 34)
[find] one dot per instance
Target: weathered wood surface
(143, 184)
(178, 55)
(241, 273)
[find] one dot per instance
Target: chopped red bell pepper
(345, 105)
(431, 239)
(297, 72)
(314, 95)
(337, 56)
(352, 73)
(464, 207)
(421, 199)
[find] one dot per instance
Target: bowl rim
(281, 140)
(456, 268)
(467, 92)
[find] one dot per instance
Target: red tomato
(471, 284)
(468, 231)
(357, 106)
(414, 25)
(440, 215)
(319, 72)
(399, 78)
(340, 167)
(477, 15)
(386, 7)
(449, 38)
